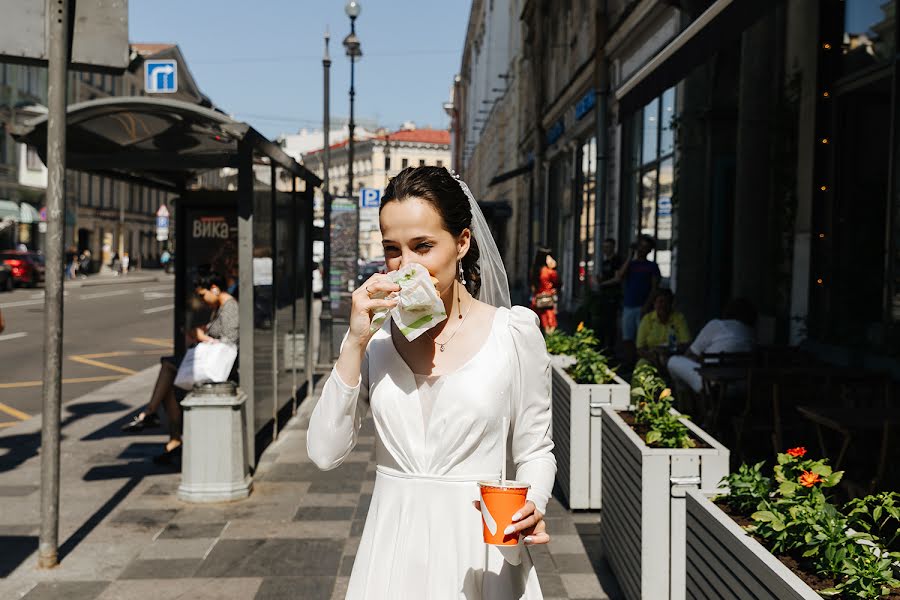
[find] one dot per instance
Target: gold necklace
(461, 323)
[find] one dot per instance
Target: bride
(439, 405)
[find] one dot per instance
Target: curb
(117, 280)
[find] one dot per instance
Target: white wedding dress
(436, 437)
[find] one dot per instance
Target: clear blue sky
(261, 60)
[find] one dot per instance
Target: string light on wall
(826, 95)
(824, 188)
(826, 46)
(820, 281)
(825, 141)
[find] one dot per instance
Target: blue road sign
(162, 222)
(369, 198)
(161, 76)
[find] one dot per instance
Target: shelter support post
(245, 286)
(295, 291)
(306, 272)
(58, 23)
(276, 277)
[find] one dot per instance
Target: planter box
(562, 361)
(724, 561)
(643, 524)
(577, 435)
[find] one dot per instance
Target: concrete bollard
(214, 465)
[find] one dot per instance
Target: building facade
(104, 215)
(376, 160)
(754, 141)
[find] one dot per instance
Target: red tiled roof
(150, 49)
(421, 136)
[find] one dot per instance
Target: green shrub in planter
(591, 367)
(652, 408)
(793, 515)
(559, 342)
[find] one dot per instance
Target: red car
(27, 267)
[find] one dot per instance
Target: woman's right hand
(364, 306)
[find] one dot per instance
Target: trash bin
(214, 462)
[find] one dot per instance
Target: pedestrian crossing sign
(161, 76)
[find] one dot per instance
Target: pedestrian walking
(440, 404)
(545, 288)
(222, 327)
(124, 263)
(640, 279)
(71, 262)
(85, 262)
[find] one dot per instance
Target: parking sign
(369, 198)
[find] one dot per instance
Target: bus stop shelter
(259, 238)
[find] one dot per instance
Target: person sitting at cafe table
(733, 333)
(662, 329)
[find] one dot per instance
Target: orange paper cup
(500, 500)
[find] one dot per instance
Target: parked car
(27, 267)
(7, 283)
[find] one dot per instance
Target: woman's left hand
(530, 523)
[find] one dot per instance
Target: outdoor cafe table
(848, 422)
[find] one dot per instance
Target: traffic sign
(369, 198)
(161, 76)
(162, 223)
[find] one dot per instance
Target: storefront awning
(9, 210)
(721, 23)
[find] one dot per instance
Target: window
(404, 163)
(387, 163)
(421, 163)
(439, 163)
(651, 174)
(32, 160)
(587, 189)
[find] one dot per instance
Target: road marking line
(161, 342)
(157, 309)
(21, 303)
(105, 294)
(24, 384)
(96, 363)
(14, 412)
(10, 424)
(13, 336)
(158, 295)
(157, 288)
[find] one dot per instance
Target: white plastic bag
(420, 307)
(207, 362)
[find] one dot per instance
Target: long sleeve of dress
(337, 418)
(532, 446)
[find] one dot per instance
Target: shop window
(404, 163)
(650, 173)
(387, 163)
(421, 163)
(439, 163)
(587, 218)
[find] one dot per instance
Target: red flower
(797, 452)
(809, 479)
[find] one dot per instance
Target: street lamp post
(351, 44)
(325, 319)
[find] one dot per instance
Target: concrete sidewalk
(124, 535)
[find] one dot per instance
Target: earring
(462, 276)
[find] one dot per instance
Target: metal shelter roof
(155, 141)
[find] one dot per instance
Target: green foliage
(748, 487)
(559, 342)
(793, 515)
(652, 406)
(591, 367)
(879, 516)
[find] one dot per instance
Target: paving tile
(340, 588)
(308, 588)
(192, 530)
(336, 487)
(365, 500)
(324, 513)
(7, 491)
(357, 528)
(177, 548)
(19, 530)
(572, 563)
(582, 586)
(351, 546)
(144, 517)
(70, 590)
(232, 588)
(310, 472)
(551, 584)
(346, 566)
(565, 544)
(309, 499)
(272, 558)
(160, 569)
(239, 530)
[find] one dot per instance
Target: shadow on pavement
(16, 549)
(590, 537)
(95, 519)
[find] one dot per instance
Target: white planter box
(643, 523)
(562, 361)
(577, 435)
(724, 561)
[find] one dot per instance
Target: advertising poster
(212, 242)
(344, 254)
